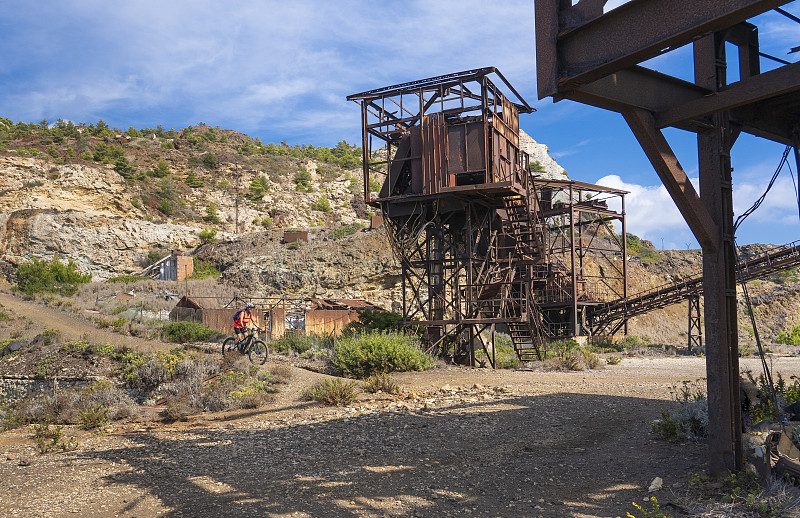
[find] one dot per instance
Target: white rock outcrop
(541, 153)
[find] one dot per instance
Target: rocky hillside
(113, 200)
(107, 198)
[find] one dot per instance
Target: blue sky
(282, 70)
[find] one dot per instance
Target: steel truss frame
(594, 58)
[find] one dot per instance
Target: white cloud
(650, 212)
(250, 62)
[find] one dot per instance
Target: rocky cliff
(109, 218)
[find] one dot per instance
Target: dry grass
(280, 374)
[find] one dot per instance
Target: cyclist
(241, 320)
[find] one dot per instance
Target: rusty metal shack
(277, 316)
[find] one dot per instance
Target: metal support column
(719, 271)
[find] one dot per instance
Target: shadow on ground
(559, 455)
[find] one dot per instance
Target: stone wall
(14, 388)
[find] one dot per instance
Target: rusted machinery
(482, 241)
(597, 57)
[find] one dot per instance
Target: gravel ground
(456, 442)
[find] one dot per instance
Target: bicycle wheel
(226, 345)
(258, 352)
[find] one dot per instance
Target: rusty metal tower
(483, 243)
(594, 57)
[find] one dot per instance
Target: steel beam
(673, 176)
(637, 87)
(747, 91)
(637, 31)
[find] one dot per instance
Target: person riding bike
(241, 320)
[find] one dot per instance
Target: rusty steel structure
(589, 56)
(483, 243)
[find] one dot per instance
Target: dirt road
(71, 327)
(459, 442)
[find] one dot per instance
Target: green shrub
(192, 180)
(126, 279)
(332, 392)
(166, 207)
(322, 205)
(211, 214)
(93, 417)
(49, 336)
(183, 332)
(296, 342)
(347, 230)
(208, 235)
(374, 352)
(210, 161)
(373, 320)
(203, 270)
(302, 180)
(505, 355)
(791, 337)
(145, 372)
(257, 188)
(4, 317)
(381, 383)
(689, 421)
(48, 438)
(161, 170)
(54, 276)
(653, 512)
(613, 360)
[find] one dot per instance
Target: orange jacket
(245, 317)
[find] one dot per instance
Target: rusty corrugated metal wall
(328, 321)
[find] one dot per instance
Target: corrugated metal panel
(328, 321)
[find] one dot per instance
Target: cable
(760, 200)
(767, 373)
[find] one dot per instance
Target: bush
(210, 161)
(192, 180)
(93, 417)
(54, 276)
(379, 352)
(126, 279)
(373, 320)
(302, 180)
(347, 230)
(792, 337)
(183, 332)
(293, 342)
(161, 170)
(332, 392)
(48, 439)
(381, 383)
(322, 205)
(203, 270)
(690, 421)
(211, 214)
(208, 235)
(505, 355)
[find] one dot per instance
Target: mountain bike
(254, 348)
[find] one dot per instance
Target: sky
(281, 71)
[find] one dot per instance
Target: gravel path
(71, 327)
(457, 442)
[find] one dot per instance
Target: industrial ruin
(482, 241)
